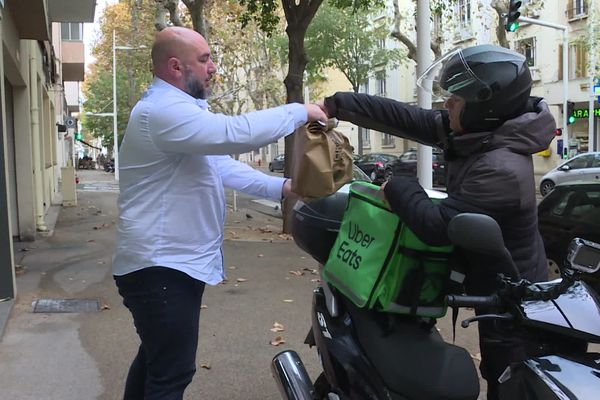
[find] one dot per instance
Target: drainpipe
(35, 132)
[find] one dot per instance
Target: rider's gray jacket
(487, 172)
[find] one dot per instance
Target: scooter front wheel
(323, 389)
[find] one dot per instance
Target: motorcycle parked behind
(372, 355)
(109, 166)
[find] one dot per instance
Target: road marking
(98, 187)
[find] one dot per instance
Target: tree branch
(398, 35)
(501, 9)
(160, 21)
(171, 5)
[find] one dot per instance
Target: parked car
(570, 210)
(406, 165)
(375, 164)
(583, 167)
(278, 163)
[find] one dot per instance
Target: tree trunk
(298, 15)
(196, 8)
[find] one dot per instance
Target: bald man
(174, 165)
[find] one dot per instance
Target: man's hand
(315, 113)
(286, 190)
(321, 105)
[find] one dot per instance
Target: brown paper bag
(322, 160)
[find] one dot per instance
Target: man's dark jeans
(165, 304)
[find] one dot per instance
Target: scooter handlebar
(476, 302)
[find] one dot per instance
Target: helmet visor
(452, 75)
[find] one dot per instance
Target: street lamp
(114, 114)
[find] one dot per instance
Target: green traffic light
(571, 119)
(513, 26)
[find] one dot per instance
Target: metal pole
(565, 61)
(115, 133)
(424, 169)
(592, 72)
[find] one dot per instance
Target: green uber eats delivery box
(378, 263)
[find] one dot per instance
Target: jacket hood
(529, 133)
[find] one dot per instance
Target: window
(580, 162)
(387, 140)
(463, 12)
(366, 136)
(576, 9)
(527, 48)
(381, 86)
(71, 31)
(577, 63)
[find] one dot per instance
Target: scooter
(372, 355)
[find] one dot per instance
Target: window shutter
(560, 62)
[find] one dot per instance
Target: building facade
(468, 22)
(37, 131)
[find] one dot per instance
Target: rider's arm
(428, 127)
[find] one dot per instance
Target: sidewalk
(79, 356)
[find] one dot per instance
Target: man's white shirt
(173, 168)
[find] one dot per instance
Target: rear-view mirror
(584, 256)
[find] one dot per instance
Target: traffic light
(77, 135)
(570, 112)
(512, 18)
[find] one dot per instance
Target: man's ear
(174, 67)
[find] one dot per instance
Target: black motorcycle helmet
(495, 83)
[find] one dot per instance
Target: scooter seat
(414, 361)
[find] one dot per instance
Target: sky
(91, 30)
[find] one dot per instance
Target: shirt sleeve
(239, 176)
(183, 127)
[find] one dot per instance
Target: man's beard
(194, 86)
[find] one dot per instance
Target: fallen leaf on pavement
(277, 341)
(260, 255)
(233, 267)
(316, 280)
(288, 301)
(203, 306)
(277, 327)
(241, 279)
(105, 307)
(266, 229)
(205, 366)
(91, 240)
(285, 236)
(297, 273)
